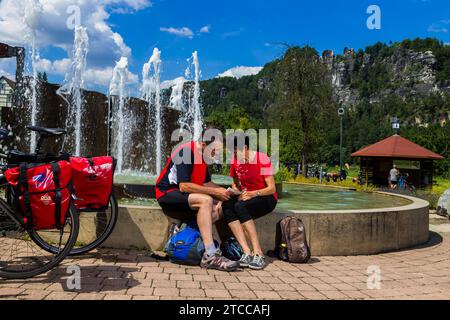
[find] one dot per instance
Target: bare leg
(217, 213)
(238, 232)
(204, 205)
(250, 229)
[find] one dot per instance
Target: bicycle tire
(76, 251)
(74, 218)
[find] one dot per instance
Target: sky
(226, 34)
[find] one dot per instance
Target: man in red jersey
(185, 185)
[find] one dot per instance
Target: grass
(441, 185)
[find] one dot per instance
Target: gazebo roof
(397, 147)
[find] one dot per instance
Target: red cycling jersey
(252, 175)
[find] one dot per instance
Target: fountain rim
(416, 203)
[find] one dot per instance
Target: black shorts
(175, 204)
(244, 211)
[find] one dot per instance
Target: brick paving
(419, 273)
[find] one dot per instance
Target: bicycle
(95, 224)
(21, 255)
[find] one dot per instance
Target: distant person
(393, 177)
(256, 196)
(185, 186)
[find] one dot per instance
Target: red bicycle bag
(41, 193)
(92, 182)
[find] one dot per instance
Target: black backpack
(292, 244)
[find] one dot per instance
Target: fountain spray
(151, 90)
(192, 120)
(72, 89)
(117, 88)
(197, 112)
(32, 11)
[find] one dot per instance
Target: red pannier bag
(92, 182)
(41, 194)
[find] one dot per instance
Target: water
(151, 89)
(192, 120)
(176, 98)
(117, 91)
(295, 197)
(301, 197)
(72, 89)
(32, 12)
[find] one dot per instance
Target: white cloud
(181, 32)
(124, 6)
(205, 29)
(439, 27)
(239, 72)
(233, 33)
(103, 77)
(106, 45)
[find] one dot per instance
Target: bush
(284, 174)
(343, 184)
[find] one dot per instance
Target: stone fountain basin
(330, 233)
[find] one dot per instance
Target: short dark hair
(236, 143)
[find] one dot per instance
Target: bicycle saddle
(47, 131)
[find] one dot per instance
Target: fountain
(32, 11)
(151, 90)
(72, 89)
(176, 97)
(192, 120)
(117, 90)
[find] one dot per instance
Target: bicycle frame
(5, 207)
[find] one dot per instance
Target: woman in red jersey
(254, 180)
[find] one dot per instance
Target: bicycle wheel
(95, 228)
(21, 257)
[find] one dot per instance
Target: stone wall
(53, 113)
(330, 233)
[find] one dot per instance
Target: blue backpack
(186, 246)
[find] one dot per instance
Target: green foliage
(294, 94)
(303, 103)
(284, 175)
(434, 138)
(235, 117)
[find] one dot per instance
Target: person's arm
(236, 184)
(218, 193)
(268, 191)
(184, 172)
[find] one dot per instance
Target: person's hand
(222, 194)
(234, 192)
(248, 195)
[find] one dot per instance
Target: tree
(304, 106)
(42, 77)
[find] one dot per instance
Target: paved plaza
(419, 273)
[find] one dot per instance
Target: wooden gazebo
(378, 159)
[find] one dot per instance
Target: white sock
(210, 250)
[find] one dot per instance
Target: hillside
(409, 80)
